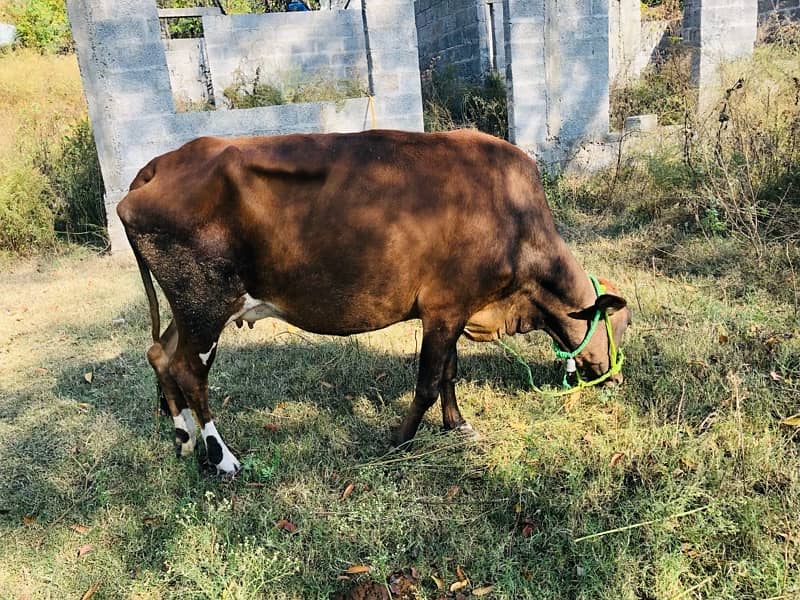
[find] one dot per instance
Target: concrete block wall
(717, 30)
(453, 33)
(126, 81)
(625, 33)
(393, 63)
(785, 9)
(281, 47)
(185, 64)
(558, 66)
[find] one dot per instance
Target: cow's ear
(607, 303)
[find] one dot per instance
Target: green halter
(616, 357)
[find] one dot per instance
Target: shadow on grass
(511, 522)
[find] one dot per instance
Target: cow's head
(595, 360)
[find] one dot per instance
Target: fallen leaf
(460, 573)
(348, 397)
(439, 582)
(225, 401)
(453, 492)
(272, 427)
(84, 550)
(88, 377)
(28, 520)
(587, 437)
(347, 491)
(285, 525)
(458, 585)
(793, 421)
(41, 371)
(483, 591)
(775, 376)
(527, 530)
(91, 591)
(518, 508)
(342, 578)
(615, 458)
(414, 573)
(83, 406)
(77, 528)
(358, 569)
(326, 385)
(723, 339)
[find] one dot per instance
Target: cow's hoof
(466, 430)
(229, 470)
(184, 443)
(401, 441)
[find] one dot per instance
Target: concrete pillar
(525, 71)
(124, 73)
(393, 62)
(625, 32)
(557, 56)
(717, 30)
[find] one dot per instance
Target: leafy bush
(450, 103)
(42, 25)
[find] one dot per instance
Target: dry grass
(40, 98)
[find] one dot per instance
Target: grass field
(692, 445)
(682, 484)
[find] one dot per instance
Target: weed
(450, 103)
(291, 88)
(26, 210)
(664, 89)
(72, 170)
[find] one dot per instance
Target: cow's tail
(150, 292)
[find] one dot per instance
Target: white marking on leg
(204, 355)
(187, 425)
(188, 418)
(228, 465)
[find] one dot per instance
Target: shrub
(290, 88)
(42, 25)
(26, 215)
(664, 89)
(72, 172)
(450, 103)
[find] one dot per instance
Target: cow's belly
(323, 314)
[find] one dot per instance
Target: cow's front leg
(190, 370)
(451, 415)
(438, 342)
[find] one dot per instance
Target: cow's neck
(573, 293)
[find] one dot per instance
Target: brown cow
(346, 233)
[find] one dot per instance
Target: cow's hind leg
(189, 367)
(438, 343)
(160, 356)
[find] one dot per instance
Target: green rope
(564, 355)
(616, 356)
